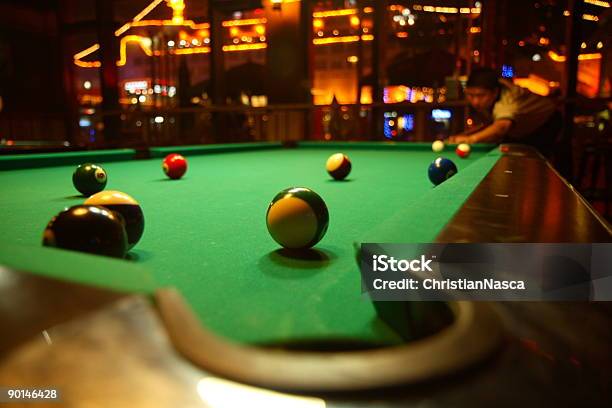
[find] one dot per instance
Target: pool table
(236, 304)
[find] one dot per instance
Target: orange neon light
(177, 20)
(333, 40)
(91, 99)
(84, 64)
(146, 10)
(86, 52)
(334, 13)
(145, 45)
(590, 17)
(604, 4)
(177, 7)
(443, 10)
(244, 47)
(582, 57)
(248, 21)
(344, 39)
(587, 57)
(138, 17)
(186, 23)
(447, 10)
(143, 23)
(193, 50)
(556, 57)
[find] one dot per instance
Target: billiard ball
(87, 228)
(440, 170)
(297, 218)
(338, 166)
(463, 150)
(126, 206)
(89, 179)
(174, 165)
(437, 146)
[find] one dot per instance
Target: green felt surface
(77, 267)
(206, 234)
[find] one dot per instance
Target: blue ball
(440, 170)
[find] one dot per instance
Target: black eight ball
(88, 228)
(89, 179)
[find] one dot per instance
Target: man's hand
(455, 139)
(493, 133)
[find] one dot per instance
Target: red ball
(463, 150)
(174, 166)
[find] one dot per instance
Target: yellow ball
(338, 166)
(437, 146)
(297, 218)
(125, 205)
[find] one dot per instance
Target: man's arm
(474, 129)
(490, 134)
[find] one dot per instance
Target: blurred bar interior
(90, 74)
